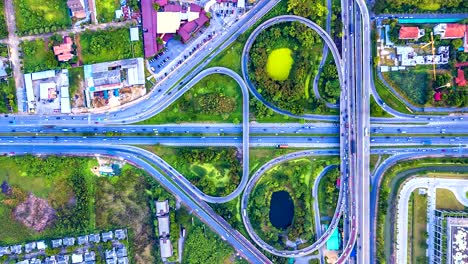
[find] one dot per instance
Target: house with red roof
(450, 31)
(64, 50)
(460, 79)
(410, 33)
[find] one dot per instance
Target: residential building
(16, 249)
(408, 57)
(162, 208)
(82, 240)
(64, 50)
(68, 241)
(35, 261)
(120, 234)
(107, 236)
(77, 8)
(89, 256)
(94, 238)
(4, 251)
(166, 247)
(56, 243)
(77, 258)
(110, 254)
(450, 31)
(410, 33)
(121, 251)
(123, 260)
(460, 79)
(163, 226)
(63, 259)
(41, 245)
(29, 247)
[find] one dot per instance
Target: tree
(156, 6)
(457, 43)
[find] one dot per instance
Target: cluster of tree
(224, 160)
(258, 110)
(331, 191)
(287, 94)
(33, 20)
(315, 10)
(214, 103)
(76, 217)
(107, 45)
(7, 95)
(203, 246)
(289, 178)
(38, 56)
(3, 25)
(329, 84)
(412, 6)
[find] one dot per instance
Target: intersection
(353, 135)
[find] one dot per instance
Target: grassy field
(41, 16)
(412, 84)
(76, 78)
(446, 200)
(50, 183)
(8, 95)
(279, 64)
(389, 98)
(106, 10)
(419, 230)
(214, 170)
(118, 202)
(230, 57)
(109, 45)
(210, 100)
(260, 156)
(38, 56)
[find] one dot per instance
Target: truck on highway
(283, 146)
(353, 146)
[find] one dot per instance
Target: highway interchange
(404, 136)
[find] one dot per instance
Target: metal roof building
(333, 243)
(162, 207)
(134, 34)
(165, 247)
(163, 226)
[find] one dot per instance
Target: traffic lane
(226, 128)
(235, 141)
(135, 108)
(200, 208)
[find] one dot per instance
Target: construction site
(111, 84)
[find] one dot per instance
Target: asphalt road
(134, 155)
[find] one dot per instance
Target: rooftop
(409, 33)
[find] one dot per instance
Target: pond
(281, 209)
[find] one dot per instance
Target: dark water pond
(281, 209)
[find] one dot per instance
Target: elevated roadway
(134, 155)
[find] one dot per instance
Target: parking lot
(176, 52)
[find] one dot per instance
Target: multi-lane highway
(90, 134)
(137, 156)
